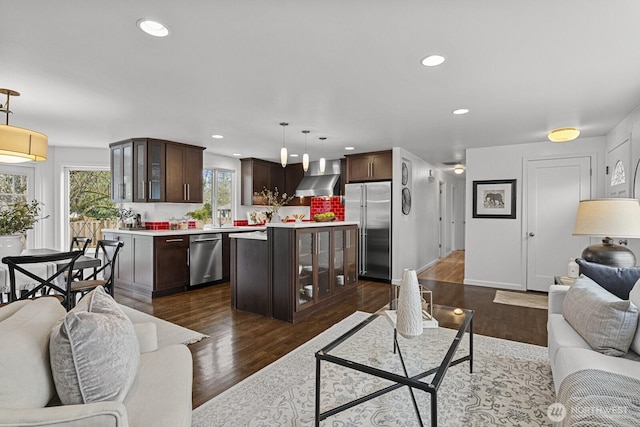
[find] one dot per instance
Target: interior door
(554, 189)
(619, 170)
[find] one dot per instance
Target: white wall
(495, 251)
(629, 126)
(50, 183)
(415, 236)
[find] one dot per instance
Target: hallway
(449, 269)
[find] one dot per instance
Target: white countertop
(310, 224)
(189, 231)
(294, 225)
(256, 235)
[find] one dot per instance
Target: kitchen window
(217, 187)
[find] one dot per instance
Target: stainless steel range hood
(315, 184)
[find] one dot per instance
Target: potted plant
(16, 218)
(202, 215)
(274, 201)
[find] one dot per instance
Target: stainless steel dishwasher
(205, 258)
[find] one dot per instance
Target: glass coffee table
(373, 347)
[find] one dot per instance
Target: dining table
(84, 261)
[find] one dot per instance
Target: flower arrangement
(19, 216)
(274, 199)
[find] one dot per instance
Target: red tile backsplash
(328, 204)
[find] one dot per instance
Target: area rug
(521, 299)
(511, 385)
(168, 333)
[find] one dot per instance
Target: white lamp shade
(305, 162)
(21, 145)
(608, 218)
(323, 164)
(283, 156)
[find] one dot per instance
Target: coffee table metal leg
(317, 392)
(471, 346)
(434, 408)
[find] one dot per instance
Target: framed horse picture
(494, 199)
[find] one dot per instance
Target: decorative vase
(409, 313)
(275, 217)
(10, 245)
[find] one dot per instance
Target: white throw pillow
(94, 351)
(634, 297)
(605, 321)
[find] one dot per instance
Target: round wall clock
(406, 201)
(405, 173)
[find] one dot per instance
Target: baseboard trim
(496, 285)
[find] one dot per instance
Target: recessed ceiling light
(563, 134)
(217, 136)
(433, 60)
(460, 111)
(293, 155)
(237, 154)
(349, 148)
(153, 28)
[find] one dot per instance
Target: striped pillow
(605, 321)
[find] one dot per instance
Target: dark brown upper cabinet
(375, 166)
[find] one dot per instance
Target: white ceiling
(347, 70)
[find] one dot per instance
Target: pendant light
(283, 150)
(19, 145)
(305, 156)
(322, 159)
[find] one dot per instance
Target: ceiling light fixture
(349, 148)
(323, 162)
(458, 170)
(237, 154)
(460, 111)
(563, 134)
(283, 150)
(293, 155)
(216, 136)
(305, 156)
(153, 28)
(433, 60)
(18, 145)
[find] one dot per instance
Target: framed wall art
(494, 199)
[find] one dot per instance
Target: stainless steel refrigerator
(370, 205)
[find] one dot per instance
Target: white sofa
(159, 396)
(569, 352)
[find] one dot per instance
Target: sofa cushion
(616, 280)
(605, 321)
(634, 297)
(94, 351)
(25, 373)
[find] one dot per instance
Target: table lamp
(608, 218)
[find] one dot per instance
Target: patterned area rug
(522, 299)
(511, 385)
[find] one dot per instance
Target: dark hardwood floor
(242, 343)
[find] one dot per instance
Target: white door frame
(525, 220)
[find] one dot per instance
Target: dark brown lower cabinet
(171, 263)
(250, 276)
(312, 268)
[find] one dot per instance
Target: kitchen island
(156, 262)
(294, 270)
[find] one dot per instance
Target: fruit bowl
(324, 219)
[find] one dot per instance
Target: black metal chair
(42, 284)
(79, 243)
(103, 275)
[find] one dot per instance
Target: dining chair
(79, 243)
(103, 275)
(36, 272)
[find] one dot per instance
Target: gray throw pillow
(605, 321)
(616, 280)
(94, 351)
(634, 297)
